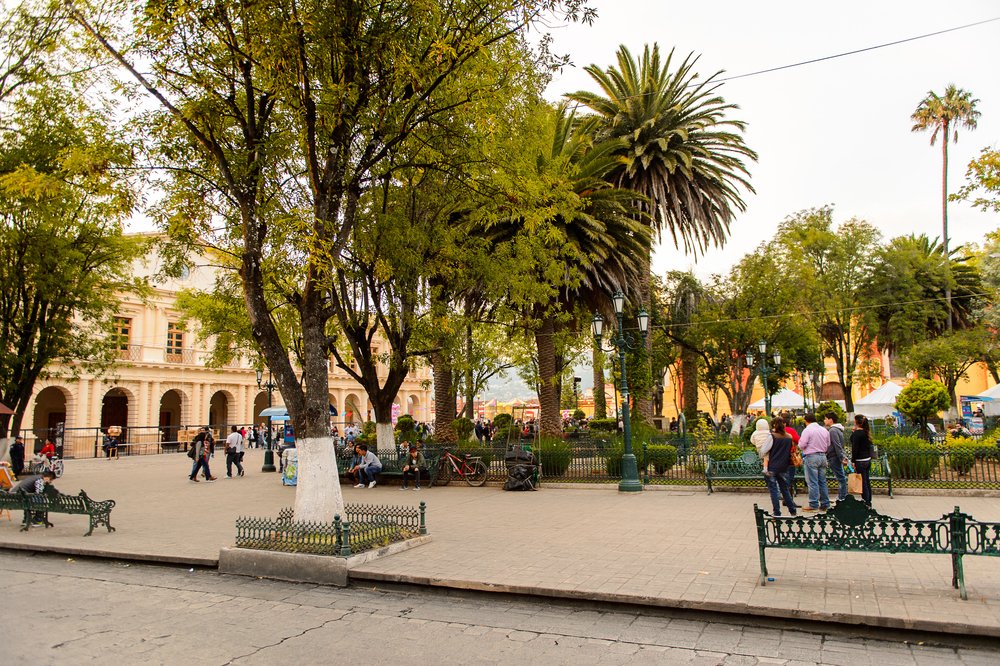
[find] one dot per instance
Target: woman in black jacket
(778, 462)
(861, 455)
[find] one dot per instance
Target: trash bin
(522, 471)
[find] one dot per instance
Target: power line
(856, 51)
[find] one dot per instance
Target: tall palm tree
(677, 148)
(944, 114)
(596, 246)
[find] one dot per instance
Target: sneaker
(372, 484)
(416, 487)
(229, 476)
(360, 485)
(403, 488)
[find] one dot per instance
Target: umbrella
(4, 409)
(278, 413)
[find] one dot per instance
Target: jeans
(838, 471)
(198, 464)
(864, 468)
(367, 474)
(411, 473)
(232, 458)
(777, 484)
(815, 464)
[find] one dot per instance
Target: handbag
(796, 458)
(191, 454)
(855, 486)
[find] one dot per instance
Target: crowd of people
(816, 449)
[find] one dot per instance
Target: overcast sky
(835, 132)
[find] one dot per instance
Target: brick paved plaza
(679, 548)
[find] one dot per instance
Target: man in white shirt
(234, 453)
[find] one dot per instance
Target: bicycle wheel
(444, 474)
(476, 476)
(57, 467)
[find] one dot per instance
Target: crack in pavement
(302, 633)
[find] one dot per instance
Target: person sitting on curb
(367, 467)
(412, 465)
(35, 484)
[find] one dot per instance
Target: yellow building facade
(160, 387)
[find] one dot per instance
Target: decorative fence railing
(362, 527)
(133, 441)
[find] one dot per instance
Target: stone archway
(218, 410)
(831, 391)
(413, 406)
(259, 405)
(115, 411)
(170, 414)
(353, 412)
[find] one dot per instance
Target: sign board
(395, 413)
(976, 425)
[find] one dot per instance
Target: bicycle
(471, 468)
(41, 464)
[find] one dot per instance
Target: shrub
(661, 456)
(579, 415)
(722, 452)
(923, 399)
(503, 421)
(406, 428)
(473, 448)
(830, 406)
(911, 457)
(961, 457)
(555, 456)
(463, 428)
(603, 425)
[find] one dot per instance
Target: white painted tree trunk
(739, 421)
(386, 438)
(318, 497)
(5, 448)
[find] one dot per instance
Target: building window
(122, 333)
(175, 342)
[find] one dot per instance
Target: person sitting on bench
(35, 484)
(368, 467)
(412, 466)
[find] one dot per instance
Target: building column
(79, 417)
(155, 394)
(143, 409)
(96, 402)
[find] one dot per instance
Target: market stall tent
(783, 399)
(991, 401)
(880, 403)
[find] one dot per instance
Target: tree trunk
(944, 218)
(444, 398)
(548, 391)
(600, 400)
(689, 385)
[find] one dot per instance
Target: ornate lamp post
(764, 369)
(268, 386)
(630, 470)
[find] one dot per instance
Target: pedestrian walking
(201, 452)
(234, 453)
(779, 459)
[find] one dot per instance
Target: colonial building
(160, 388)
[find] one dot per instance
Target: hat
(19, 437)
(413, 447)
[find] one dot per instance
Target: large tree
(832, 265)
(303, 125)
(678, 148)
(944, 114)
(64, 259)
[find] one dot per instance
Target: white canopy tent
(991, 401)
(783, 399)
(879, 403)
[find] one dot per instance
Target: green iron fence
(363, 527)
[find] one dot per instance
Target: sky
(836, 132)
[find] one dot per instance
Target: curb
(150, 558)
(929, 626)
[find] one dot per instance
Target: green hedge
(911, 457)
(603, 425)
(661, 456)
(555, 455)
(473, 448)
(503, 421)
(722, 452)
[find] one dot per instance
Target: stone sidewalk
(674, 548)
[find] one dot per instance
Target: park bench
(40, 505)
(392, 464)
(852, 526)
(749, 467)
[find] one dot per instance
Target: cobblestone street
(72, 611)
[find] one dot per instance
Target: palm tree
(596, 245)
(944, 114)
(677, 148)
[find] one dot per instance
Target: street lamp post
(268, 386)
(630, 469)
(764, 369)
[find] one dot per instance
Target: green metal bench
(749, 467)
(852, 526)
(40, 505)
(392, 465)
